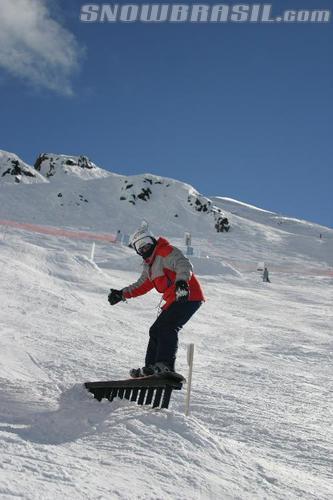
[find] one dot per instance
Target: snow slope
(261, 416)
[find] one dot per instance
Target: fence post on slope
(190, 353)
(5, 233)
(92, 254)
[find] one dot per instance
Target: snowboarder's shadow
(77, 415)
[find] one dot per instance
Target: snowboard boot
(160, 367)
(145, 371)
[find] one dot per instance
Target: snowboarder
(166, 269)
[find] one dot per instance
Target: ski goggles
(139, 245)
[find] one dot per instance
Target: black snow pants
(163, 334)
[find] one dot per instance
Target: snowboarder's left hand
(115, 296)
(182, 291)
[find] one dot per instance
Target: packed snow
(260, 425)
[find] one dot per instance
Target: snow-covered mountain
(14, 171)
(260, 423)
(74, 192)
(108, 201)
(57, 167)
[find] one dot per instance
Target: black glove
(115, 296)
(182, 291)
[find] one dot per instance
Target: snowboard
(145, 381)
(177, 377)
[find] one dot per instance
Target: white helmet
(140, 239)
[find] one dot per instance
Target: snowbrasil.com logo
(198, 13)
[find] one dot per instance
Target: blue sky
(237, 110)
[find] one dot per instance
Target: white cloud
(35, 47)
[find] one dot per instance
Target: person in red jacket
(166, 269)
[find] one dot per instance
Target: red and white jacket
(161, 271)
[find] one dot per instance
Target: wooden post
(190, 353)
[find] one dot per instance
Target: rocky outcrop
(14, 171)
(51, 165)
(141, 190)
(202, 204)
